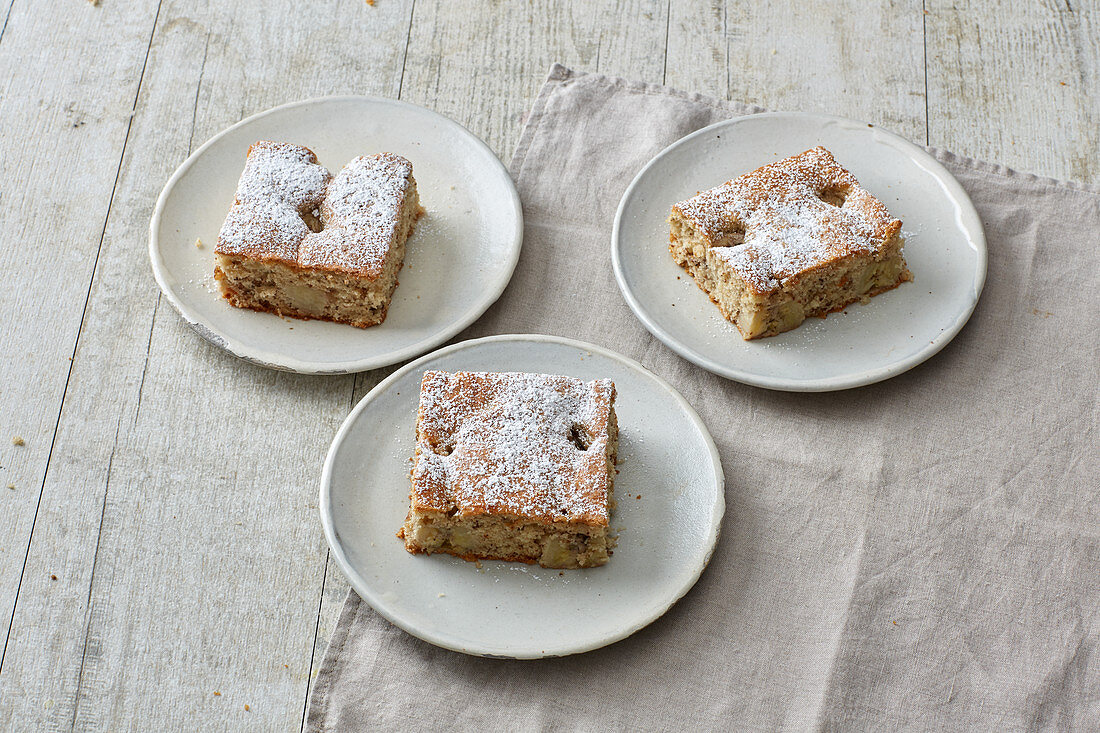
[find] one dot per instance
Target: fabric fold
(920, 553)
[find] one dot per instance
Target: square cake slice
(793, 239)
(514, 466)
(300, 242)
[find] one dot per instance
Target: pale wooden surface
(161, 543)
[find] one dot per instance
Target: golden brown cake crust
(788, 218)
(529, 446)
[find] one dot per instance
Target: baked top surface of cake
(282, 187)
(360, 214)
(789, 217)
(279, 183)
(532, 446)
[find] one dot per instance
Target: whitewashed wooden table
(161, 559)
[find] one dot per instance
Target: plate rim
(436, 638)
(217, 337)
(826, 384)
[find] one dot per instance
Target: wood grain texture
(848, 58)
(180, 511)
(175, 486)
(483, 65)
(697, 58)
(66, 102)
(335, 586)
(1017, 84)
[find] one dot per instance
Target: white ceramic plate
(457, 263)
(945, 249)
(666, 537)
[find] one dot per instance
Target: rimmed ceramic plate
(945, 250)
(666, 537)
(457, 262)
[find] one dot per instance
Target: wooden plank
(483, 65)
(1017, 84)
(180, 509)
(632, 35)
(69, 86)
(334, 586)
(698, 48)
(853, 59)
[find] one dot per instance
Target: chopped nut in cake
(514, 466)
(793, 239)
(300, 242)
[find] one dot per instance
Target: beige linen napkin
(920, 553)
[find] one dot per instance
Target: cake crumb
(11, 486)
(247, 709)
(53, 577)
(370, 2)
(217, 694)
(441, 595)
(198, 243)
(639, 496)
(18, 440)
(94, 3)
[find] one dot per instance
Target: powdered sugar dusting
(360, 214)
(789, 218)
(279, 183)
(529, 445)
(359, 210)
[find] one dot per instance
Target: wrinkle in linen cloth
(922, 553)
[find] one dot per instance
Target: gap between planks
(76, 345)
